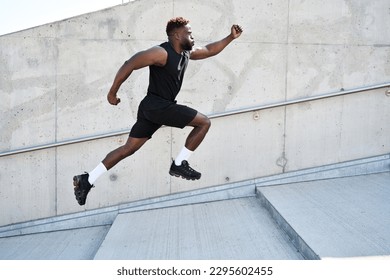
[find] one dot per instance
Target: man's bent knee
(207, 123)
(201, 120)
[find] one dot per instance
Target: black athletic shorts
(154, 112)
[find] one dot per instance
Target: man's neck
(176, 47)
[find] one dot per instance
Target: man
(167, 64)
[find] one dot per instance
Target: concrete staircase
(335, 211)
(334, 218)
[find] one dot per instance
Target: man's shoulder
(164, 45)
(156, 55)
(162, 48)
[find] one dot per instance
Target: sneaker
(184, 170)
(82, 187)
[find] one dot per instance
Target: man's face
(186, 39)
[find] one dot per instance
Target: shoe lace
(187, 166)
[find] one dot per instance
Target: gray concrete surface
(229, 229)
(54, 79)
(335, 218)
(76, 244)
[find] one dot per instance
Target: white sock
(183, 155)
(95, 174)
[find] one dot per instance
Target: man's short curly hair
(174, 23)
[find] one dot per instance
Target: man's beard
(187, 46)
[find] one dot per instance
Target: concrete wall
(54, 80)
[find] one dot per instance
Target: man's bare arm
(216, 47)
(152, 56)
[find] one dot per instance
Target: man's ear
(176, 35)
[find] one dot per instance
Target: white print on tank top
(181, 67)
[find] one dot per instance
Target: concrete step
(334, 218)
(74, 244)
(229, 229)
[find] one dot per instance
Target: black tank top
(166, 81)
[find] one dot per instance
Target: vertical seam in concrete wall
(286, 86)
(55, 42)
(341, 126)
